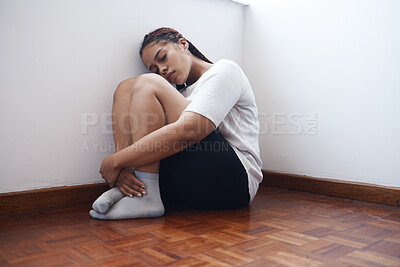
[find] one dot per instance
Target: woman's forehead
(150, 51)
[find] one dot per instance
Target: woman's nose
(163, 70)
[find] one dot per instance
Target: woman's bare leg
(120, 115)
(153, 102)
(122, 138)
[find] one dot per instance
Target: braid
(169, 35)
(196, 52)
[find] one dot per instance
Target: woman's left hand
(108, 170)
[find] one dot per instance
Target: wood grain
(280, 228)
(50, 197)
(70, 195)
(330, 187)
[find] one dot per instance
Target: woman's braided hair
(169, 35)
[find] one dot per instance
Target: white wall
(340, 60)
(60, 59)
(336, 59)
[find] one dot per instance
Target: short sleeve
(218, 92)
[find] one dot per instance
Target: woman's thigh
(206, 175)
(152, 85)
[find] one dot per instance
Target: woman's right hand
(129, 185)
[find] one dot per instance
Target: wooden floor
(280, 228)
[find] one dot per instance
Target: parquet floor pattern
(280, 228)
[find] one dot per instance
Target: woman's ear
(184, 43)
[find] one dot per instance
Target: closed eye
(163, 58)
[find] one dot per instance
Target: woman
(198, 145)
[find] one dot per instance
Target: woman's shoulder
(222, 69)
(226, 66)
(226, 62)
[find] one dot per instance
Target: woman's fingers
(123, 191)
(127, 190)
(108, 171)
(131, 175)
(129, 185)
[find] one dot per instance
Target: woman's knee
(127, 87)
(151, 85)
(148, 82)
(124, 89)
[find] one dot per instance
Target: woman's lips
(170, 75)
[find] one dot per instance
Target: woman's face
(170, 60)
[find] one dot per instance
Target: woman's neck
(199, 67)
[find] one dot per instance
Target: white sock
(147, 206)
(107, 199)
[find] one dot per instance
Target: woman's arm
(189, 129)
(220, 91)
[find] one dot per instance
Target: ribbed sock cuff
(147, 175)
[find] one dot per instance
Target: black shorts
(206, 175)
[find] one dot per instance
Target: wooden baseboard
(338, 188)
(70, 195)
(50, 197)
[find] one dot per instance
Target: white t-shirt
(223, 94)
